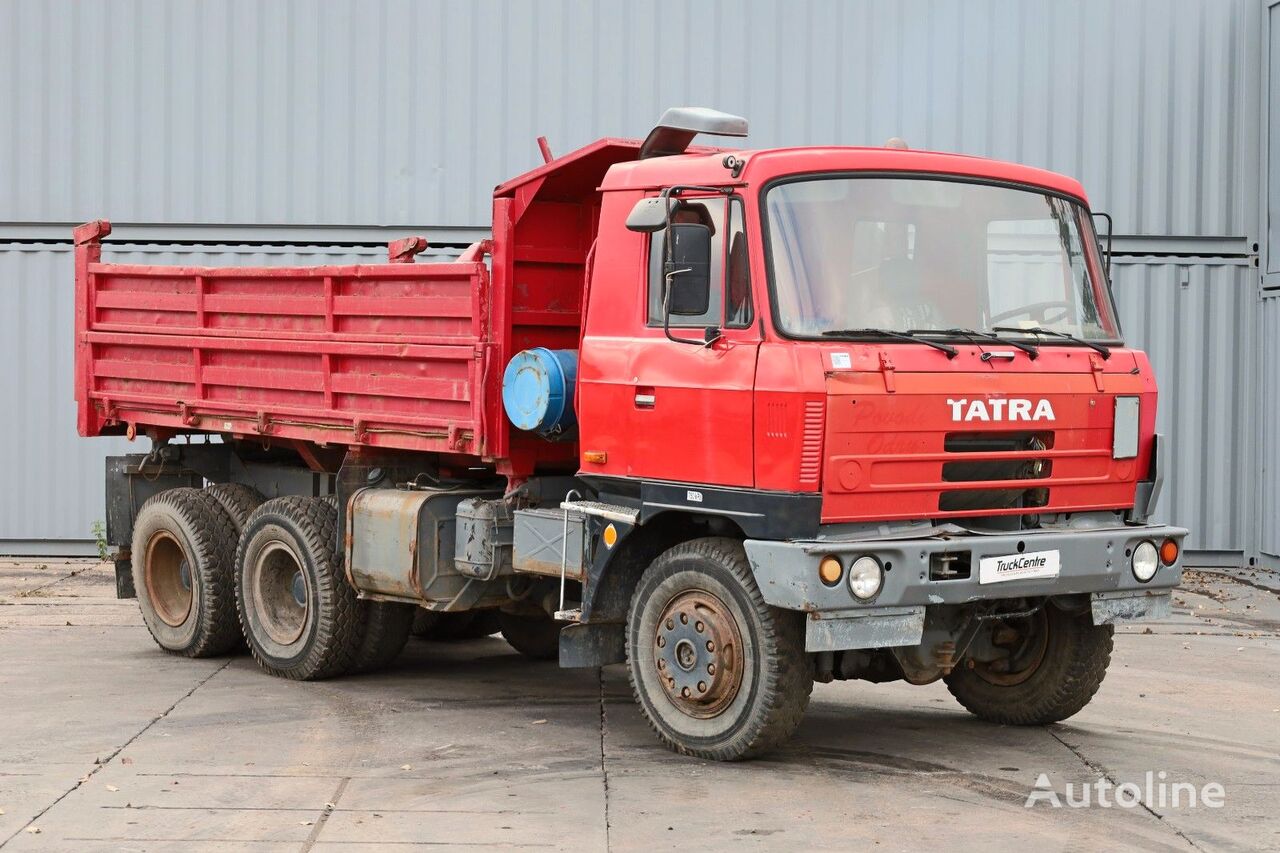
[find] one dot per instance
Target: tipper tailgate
(390, 355)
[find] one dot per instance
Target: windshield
(912, 254)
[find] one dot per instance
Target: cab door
(690, 405)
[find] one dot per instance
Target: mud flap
(592, 644)
(1113, 608)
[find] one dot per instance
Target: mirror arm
(666, 311)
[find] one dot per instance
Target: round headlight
(1146, 559)
(865, 577)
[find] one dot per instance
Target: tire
(386, 630)
(448, 627)
(237, 499)
(724, 717)
(183, 571)
(1066, 673)
(300, 616)
(535, 637)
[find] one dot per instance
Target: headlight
(1146, 559)
(865, 577)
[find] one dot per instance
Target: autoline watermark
(1155, 792)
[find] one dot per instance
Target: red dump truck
(741, 420)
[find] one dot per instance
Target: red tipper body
(410, 356)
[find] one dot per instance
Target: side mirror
(1106, 252)
(649, 215)
(688, 269)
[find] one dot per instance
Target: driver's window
(1027, 267)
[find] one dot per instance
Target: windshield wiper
(1031, 350)
(951, 352)
(1041, 330)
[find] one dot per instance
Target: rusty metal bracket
(403, 251)
(456, 439)
(358, 427)
(189, 417)
(264, 423)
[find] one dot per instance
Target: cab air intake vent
(811, 442)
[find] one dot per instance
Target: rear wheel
(237, 499)
(183, 557)
(536, 636)
(1033, 670)
(718, 672)
(301, 617)
(386, 630)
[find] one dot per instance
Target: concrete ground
(108, 744)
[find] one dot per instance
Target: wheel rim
(1025, 640)
(281, 593)
(168, 579)
(697, 649)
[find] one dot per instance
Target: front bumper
(1092, 561)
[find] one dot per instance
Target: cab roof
(611, 164)
(764, 165)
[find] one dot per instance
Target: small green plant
(99, 531)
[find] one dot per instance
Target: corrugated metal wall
(343, 122)
(1195, 318)
(401, 112)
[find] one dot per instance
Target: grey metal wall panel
(54, 489)
(1196, 322)
(396, 112)
(1267, 472)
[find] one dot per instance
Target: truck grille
(1025, 465)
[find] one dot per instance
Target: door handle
(645, 398)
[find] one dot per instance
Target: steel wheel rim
(168, 579)
(1026, 651)
(698, 653)
(278, 582)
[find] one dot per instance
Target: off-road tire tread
(386, 630)
(214, 543)
(784, 689)
(1087, 653)
(523, 633)
(237, 499)
(339, 629)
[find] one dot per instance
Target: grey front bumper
(1092, 561)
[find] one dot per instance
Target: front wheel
(718, 672)
(1033, 670)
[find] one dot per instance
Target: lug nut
(662, 642)
(699, 627)
(670, 625)
(711, 647)
(702, 687)
(662, 664)
(684, 619)
(711, 669)
(684, 691)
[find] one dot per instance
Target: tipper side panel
(388, 355)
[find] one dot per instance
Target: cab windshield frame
(1095, 269)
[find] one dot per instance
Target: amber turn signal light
(1168, 552)
(830, 570)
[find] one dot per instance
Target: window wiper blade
(951, 352)
(1105, 352)
(1032, 351)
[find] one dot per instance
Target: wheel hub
(1022, 642)
(698, 653)
(167, 574)
(280, 593)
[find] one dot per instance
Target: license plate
(1016, 567)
